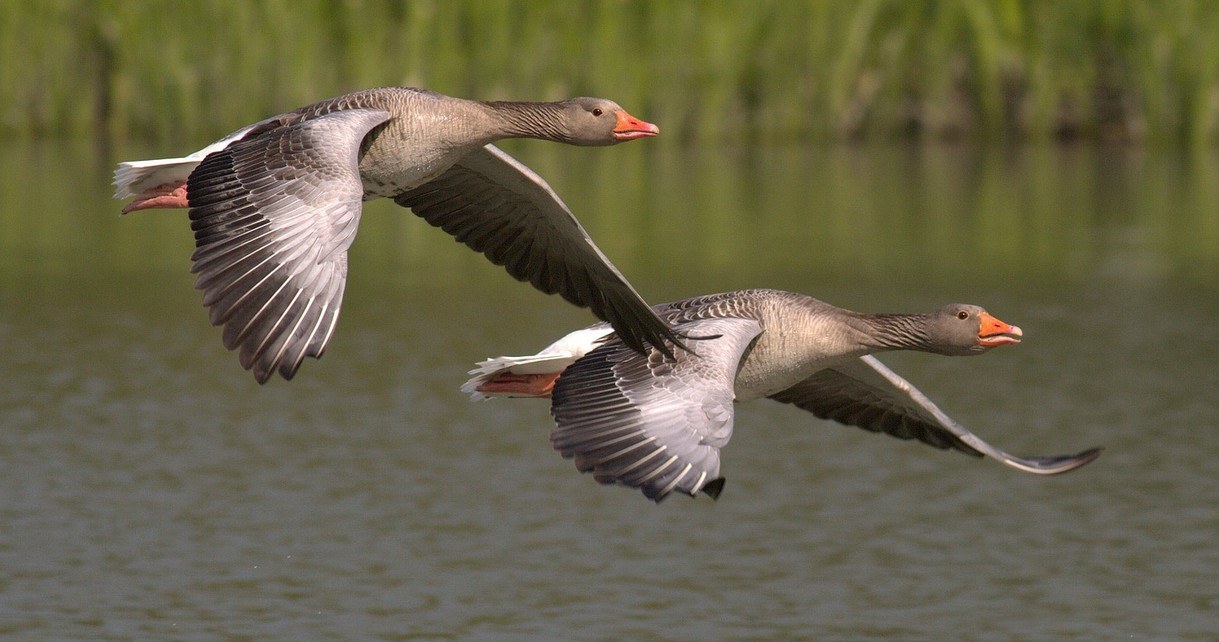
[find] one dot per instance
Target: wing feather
(867, 394)
(273, 216)
(499, 207)
(649, 422)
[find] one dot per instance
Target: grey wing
(497, 206)
(273, 216)
(649, 422)
(867, 394)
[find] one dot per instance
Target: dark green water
(149, 489)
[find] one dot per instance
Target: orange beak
(630, 128)
(996, 333)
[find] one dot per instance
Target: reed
(186, 72)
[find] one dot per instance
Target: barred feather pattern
(273, 216)
(649, 422)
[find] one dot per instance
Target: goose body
(657, 423)
(275, 206)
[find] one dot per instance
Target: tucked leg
(164, 195)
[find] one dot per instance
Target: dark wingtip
(714, 487)
(262, 376)
(1088, 456)
(666, 350)
(1065, 463)
(677, 340)
(662, 342)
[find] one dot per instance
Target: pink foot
(530, 385)
(164, 195)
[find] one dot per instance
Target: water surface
(152, 490)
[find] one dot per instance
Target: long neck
(530, 120)
(896, 331)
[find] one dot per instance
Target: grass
(749, 70)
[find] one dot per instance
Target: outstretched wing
(273, 216)
(867, 394)
(497, 206)
(648, 422)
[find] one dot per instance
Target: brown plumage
(658, 424)
(275, 206)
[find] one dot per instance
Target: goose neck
(896, 331)
(530, 120)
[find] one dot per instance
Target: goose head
(598, 121)
(962, 329)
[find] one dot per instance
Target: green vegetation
(749, 70)
(679, 220)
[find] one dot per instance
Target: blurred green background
(1052, 160)
(740, 70)
(882, 134)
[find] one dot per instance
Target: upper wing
(497, 206)
(273, 216)
(867, 394)
(648, 422)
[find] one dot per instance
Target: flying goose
(657, 423)
(275, 205)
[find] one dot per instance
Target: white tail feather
(134, 177)
(554, 358)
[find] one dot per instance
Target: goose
(657, 423)
(274, 206)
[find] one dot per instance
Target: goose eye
(962, 315)
(597, 111)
